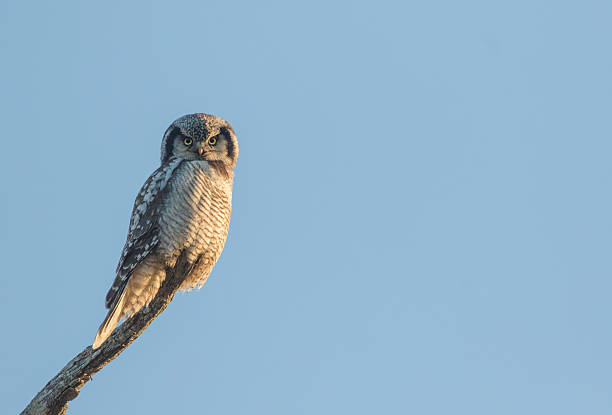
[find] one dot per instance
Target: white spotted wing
(143, 235)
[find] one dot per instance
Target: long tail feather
(110, 322)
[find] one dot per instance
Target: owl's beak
(201, 149)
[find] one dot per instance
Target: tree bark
(65, 386)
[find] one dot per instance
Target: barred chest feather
(195, 218)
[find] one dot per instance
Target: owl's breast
(195, 214)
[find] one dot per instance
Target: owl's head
(201, 137)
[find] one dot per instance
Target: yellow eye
(212, 141)
(188, 141)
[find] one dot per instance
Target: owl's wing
(143, 235)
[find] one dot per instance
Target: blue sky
(421, 216)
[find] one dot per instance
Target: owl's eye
(187, 141)
(212, 141)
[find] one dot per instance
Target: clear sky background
(422, 212)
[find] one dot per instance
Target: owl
(182, 209)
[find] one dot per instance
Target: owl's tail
(110, 322)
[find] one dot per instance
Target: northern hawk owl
(183, 208)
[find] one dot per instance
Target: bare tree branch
(65, 386)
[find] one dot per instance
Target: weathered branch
(65, 386)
